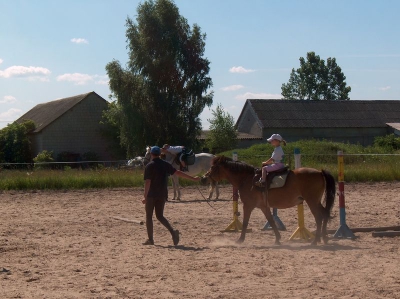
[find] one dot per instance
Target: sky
(52, 49)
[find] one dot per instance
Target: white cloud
(1, 61)
(250, 95)
(240, 70)
(77, 78)
(79, 41)
(8, 100)
(385, 88)
(101, 80)
(82, 79)
(232, 87)
(31, 72)
(10, 115)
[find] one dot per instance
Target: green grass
(70, 179)
(361, 164)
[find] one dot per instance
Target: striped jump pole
(301, 232)
(278, 222)
(343, 231)
(235, 225)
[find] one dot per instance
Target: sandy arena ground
(67, 245)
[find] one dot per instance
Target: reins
(207, 200)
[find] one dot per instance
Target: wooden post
(301, 232)
(343, 231)
(235, 225)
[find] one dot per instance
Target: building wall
(363, 136)
(246, 143)
(248, 123)
(76, 131)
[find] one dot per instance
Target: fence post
(301, 232)
(343, 231)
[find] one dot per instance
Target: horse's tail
(330, 192)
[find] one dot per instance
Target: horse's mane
(236, 166)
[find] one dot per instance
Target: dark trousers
(157, 204)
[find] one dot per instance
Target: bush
(389, 141)
(43, 157)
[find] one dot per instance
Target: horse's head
(225, 168)
(213, 174)
(147, 156)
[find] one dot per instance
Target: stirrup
(260, 183)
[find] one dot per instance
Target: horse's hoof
(239, 241)
(277, 242)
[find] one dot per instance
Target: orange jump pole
(235, 225)
(301, 232)
(343, 231)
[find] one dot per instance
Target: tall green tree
(15, 146)
(165, 86)
(223, 134)
(315, 80)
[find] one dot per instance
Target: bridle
(147, 157)
(208, 174)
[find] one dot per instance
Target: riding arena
(88, 244)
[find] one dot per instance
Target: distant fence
(326, 158)
(120, 164)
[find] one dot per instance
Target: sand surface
(67, 245)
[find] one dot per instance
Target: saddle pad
(190, 159)
(278, 181)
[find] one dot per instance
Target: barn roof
(323, 114)
(395, 126)
(44, 114)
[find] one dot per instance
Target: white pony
(137, 162)
(201, 165)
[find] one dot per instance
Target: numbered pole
(343, 231)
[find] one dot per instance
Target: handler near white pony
(177, 151)
(201, 164)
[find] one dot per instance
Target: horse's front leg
(216, 190)
(246, 217)
(211, 191)
(267, 212)
(175, 185)
(213, 186)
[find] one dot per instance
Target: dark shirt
(157, 171)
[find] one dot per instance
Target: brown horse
(303, 184)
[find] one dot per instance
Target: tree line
(159, 95)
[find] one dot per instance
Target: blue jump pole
(343, 231)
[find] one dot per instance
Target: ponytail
(284, 142)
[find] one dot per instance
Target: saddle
(188, 156)
(275, 179)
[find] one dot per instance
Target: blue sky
(51, 49)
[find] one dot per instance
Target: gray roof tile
(325, 114)
(44, 114)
